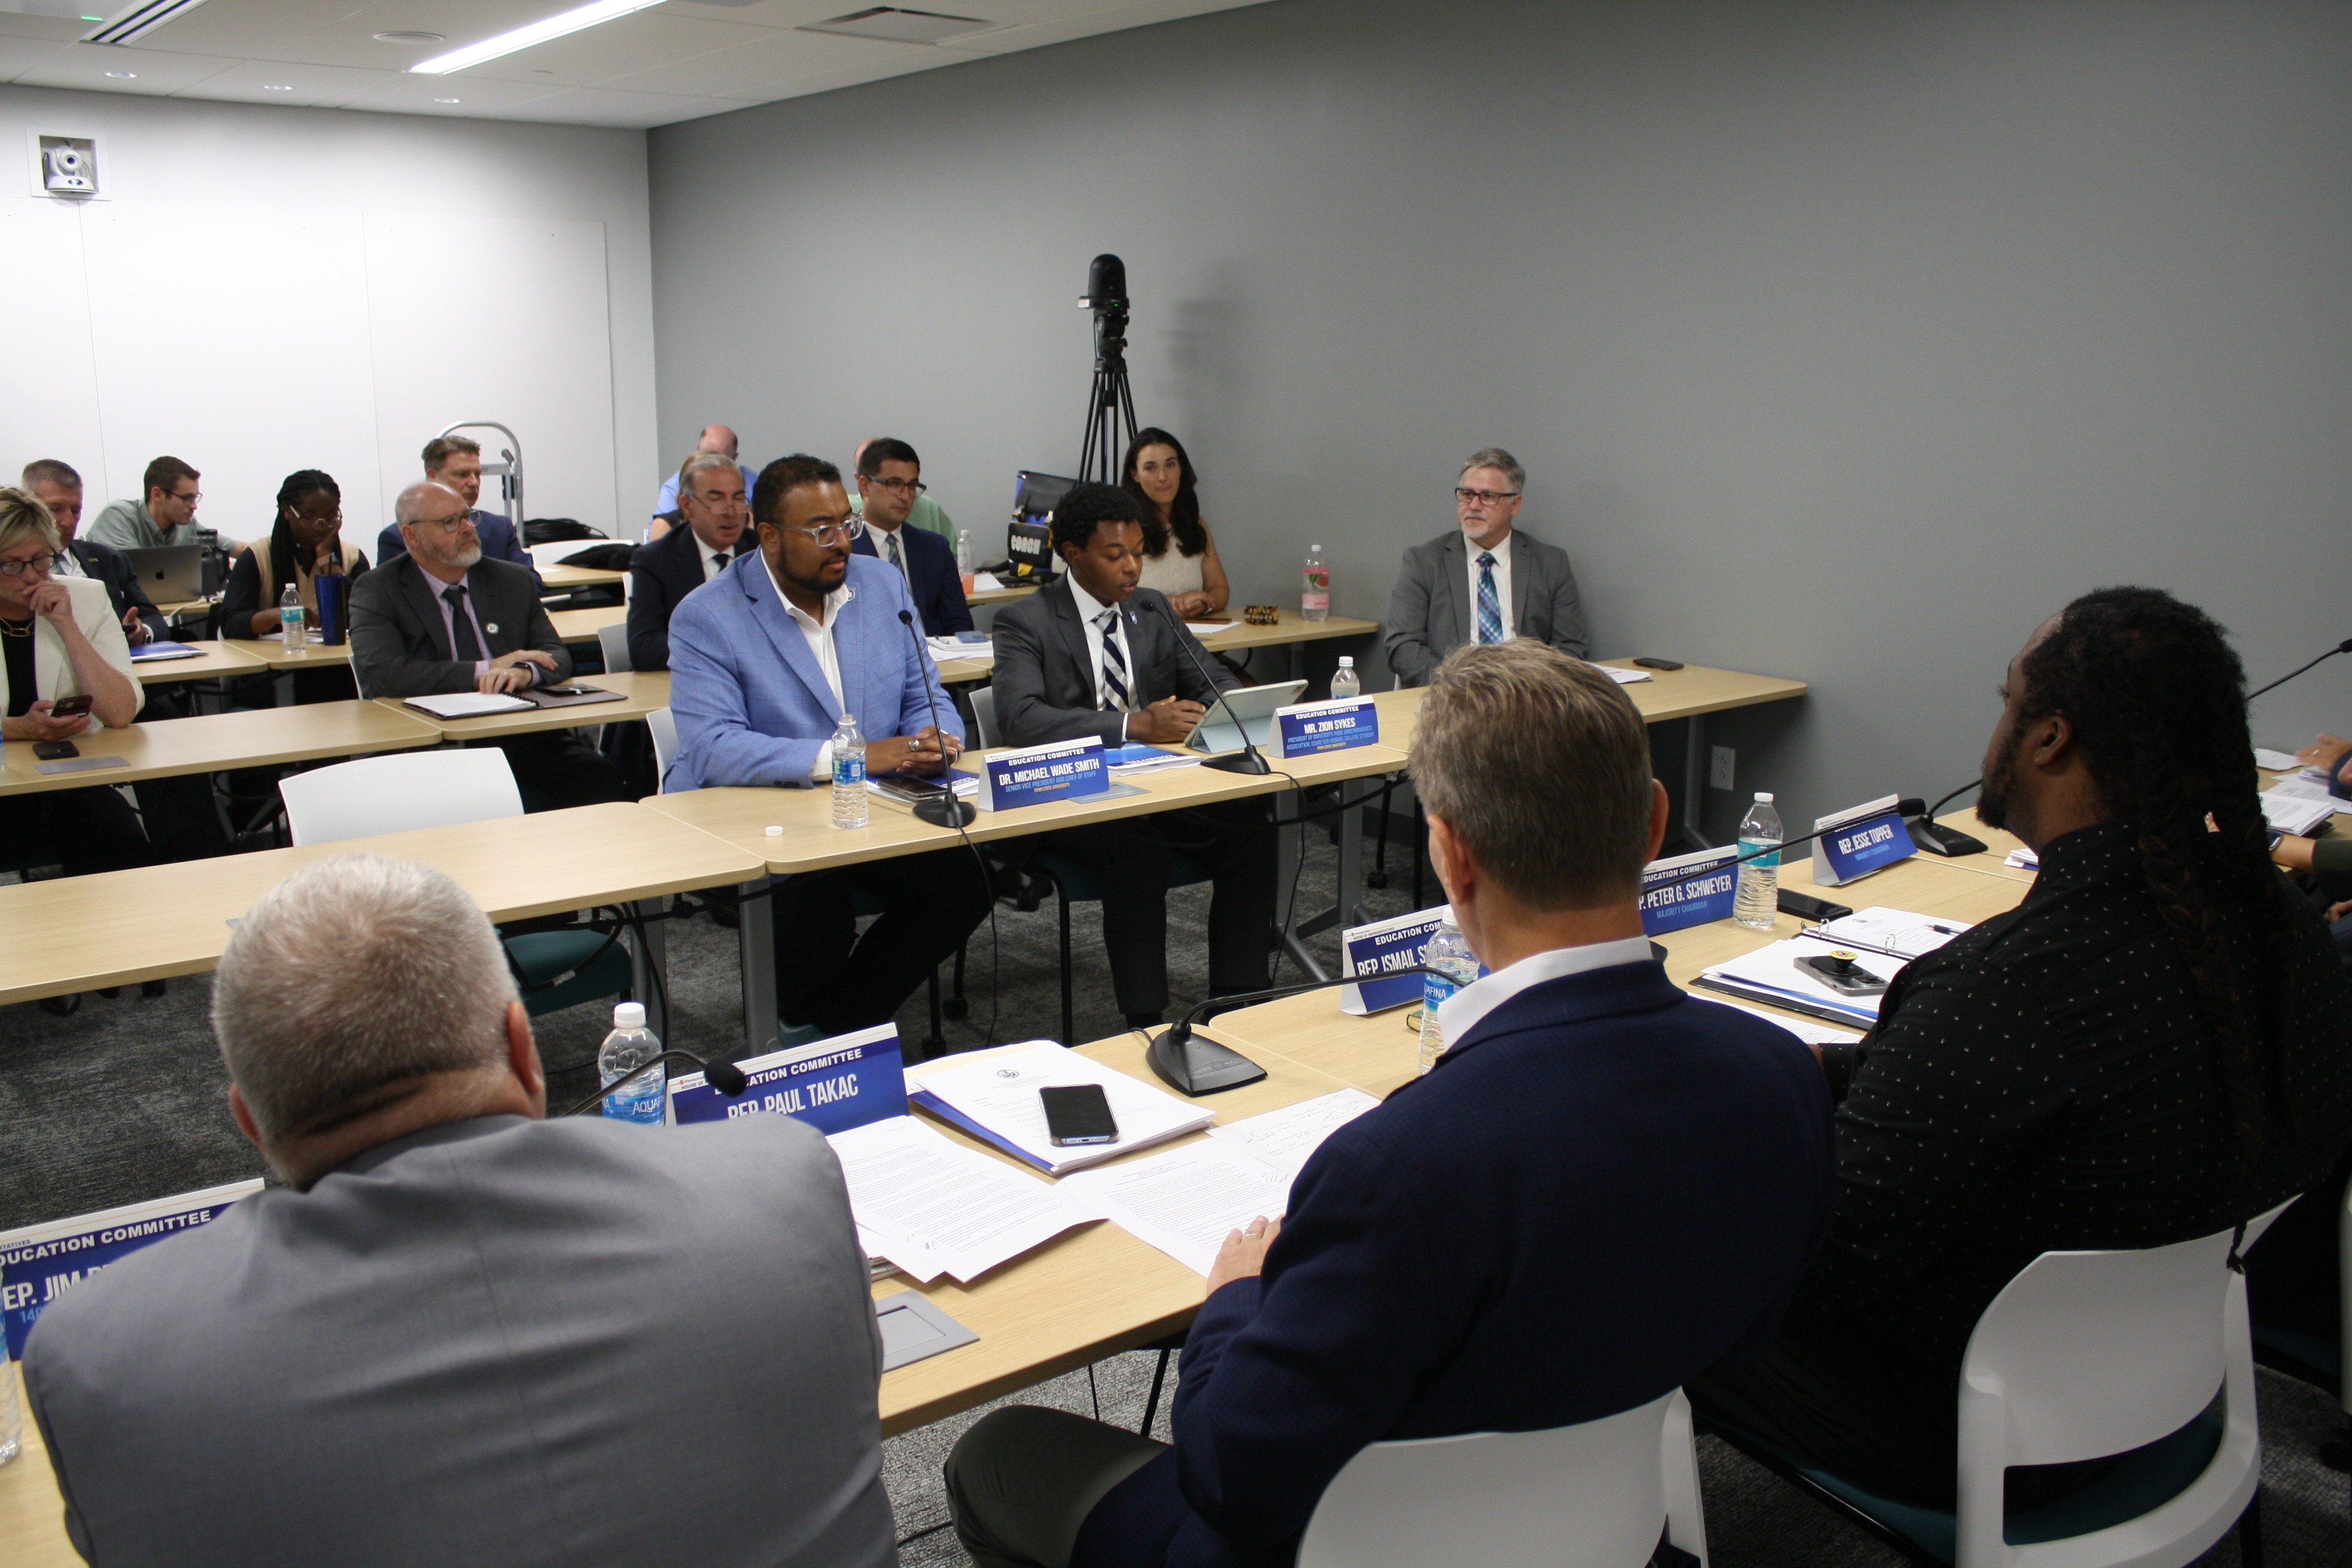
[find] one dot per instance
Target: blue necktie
(1490, 608)
(1114, 669)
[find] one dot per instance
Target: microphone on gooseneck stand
(1935, 839)
(1247, 760)
(940, 810)
(1195, 1065)
(721, 1075)
(2344, 646)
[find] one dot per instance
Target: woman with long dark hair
(304, 545)
(1179, 557)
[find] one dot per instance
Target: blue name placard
(1688, 889)
(42, 1262)
(1063, 769)
(1375, 953)
(833, 1085)
(1852, 844)
(1309, 728)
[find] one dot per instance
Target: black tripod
(1111, 399)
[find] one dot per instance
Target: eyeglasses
(824, 536)
(900, 487)
(44, 565)
(448, 524)
(1483, 497)
(191, 499)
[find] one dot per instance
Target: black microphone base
(1937, 839)
(1194, 1065)
(1240, 762)
(946, 812)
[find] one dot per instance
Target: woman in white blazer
(58, 638)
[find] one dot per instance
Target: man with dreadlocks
(2154, 1046)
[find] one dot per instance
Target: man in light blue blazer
(764, 660)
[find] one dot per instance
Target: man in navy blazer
(457, 461)
(889, 478)
(763, 662)
(714, 517)
(1605, 1187)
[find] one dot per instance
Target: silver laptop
(1254, 707)
(171, 573)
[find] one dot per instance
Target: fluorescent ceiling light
(554, 27)
(139, 21)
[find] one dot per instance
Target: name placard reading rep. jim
(1688, 889)
(833, 1085)
(1033, 775)
(1309, 729)
(1862, 839)
(42, 1262)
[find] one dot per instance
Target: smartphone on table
(1077, 1114)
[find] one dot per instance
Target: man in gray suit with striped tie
(1484, 583)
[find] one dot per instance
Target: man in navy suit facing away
(1602, 1188)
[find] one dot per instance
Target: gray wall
(1841, 341)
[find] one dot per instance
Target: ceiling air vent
(893, 26)
(139, 21)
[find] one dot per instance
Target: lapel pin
(490, 627)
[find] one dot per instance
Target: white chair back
(983, 717)
(394, 793)
(2085, 1354)
(1594, 1494)
(614, 640)
(662, 723)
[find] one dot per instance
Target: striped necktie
(895, 559)
(1114, 663)
(1490, 606)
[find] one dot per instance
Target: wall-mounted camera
(68, 165)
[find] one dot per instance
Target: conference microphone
(2344, 646)
(1195, 1065)
(1935, 839)
(721, 1075)
(942, 810)
(1247, 760)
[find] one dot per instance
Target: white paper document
(1773, 973)
(996, 1099)
(2276, 761)
(1622, 677)
(1285, 1138)
(2022, 859)
(985, 583)
(932, 1206)
(1185, 1201)
(2296, 812)
(1880, 929)
(1209, 628)
(469, 704)
(1805, 1029)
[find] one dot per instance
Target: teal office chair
(555, 968)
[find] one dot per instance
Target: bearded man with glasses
(1485, 582)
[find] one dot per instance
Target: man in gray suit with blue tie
(454, 1334)
(1484, 583)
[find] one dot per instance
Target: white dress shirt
(819, 634)
(1466, 1007)
(1090, 610)
(714, 562)
(885, 540)
(1502, 553)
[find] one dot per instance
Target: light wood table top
(281, 659)
(84, 933)
(217, 659)
(213, 742)
(1000, 596)
(32, 1514)
(641, 691)
(1294, 628)
(581, 626)
(577, 576)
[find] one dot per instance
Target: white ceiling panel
(677, 61)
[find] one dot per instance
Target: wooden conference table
(1293, 631)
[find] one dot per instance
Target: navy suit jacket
(661, 575)
(751, 702)
(110, 566)
(1605, 1188)
(500, 541)
(931, 578)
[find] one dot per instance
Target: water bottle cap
(628, 1015)
(1315, 547)
(776, 830)
(1347, 661)
(1763, 797)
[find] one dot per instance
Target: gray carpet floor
(126, 1100)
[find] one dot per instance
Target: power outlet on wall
(1718, 772)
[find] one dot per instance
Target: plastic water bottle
(289, 615)
(632, 1045)
(1315, 604)
(1757, 901)
(849, 804)
(1344, 683)
(11, 1429)
(964, 557)
(1450, 950)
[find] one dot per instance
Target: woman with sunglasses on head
(60, 644)
(1179, 558)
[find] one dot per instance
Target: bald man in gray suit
(460, 1333)
(1483, 583)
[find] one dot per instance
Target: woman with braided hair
(2156, 1045)
(305, 543)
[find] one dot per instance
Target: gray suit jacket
(498, 1343)
(398, 645)
(1431, 612)
(1044, 674)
